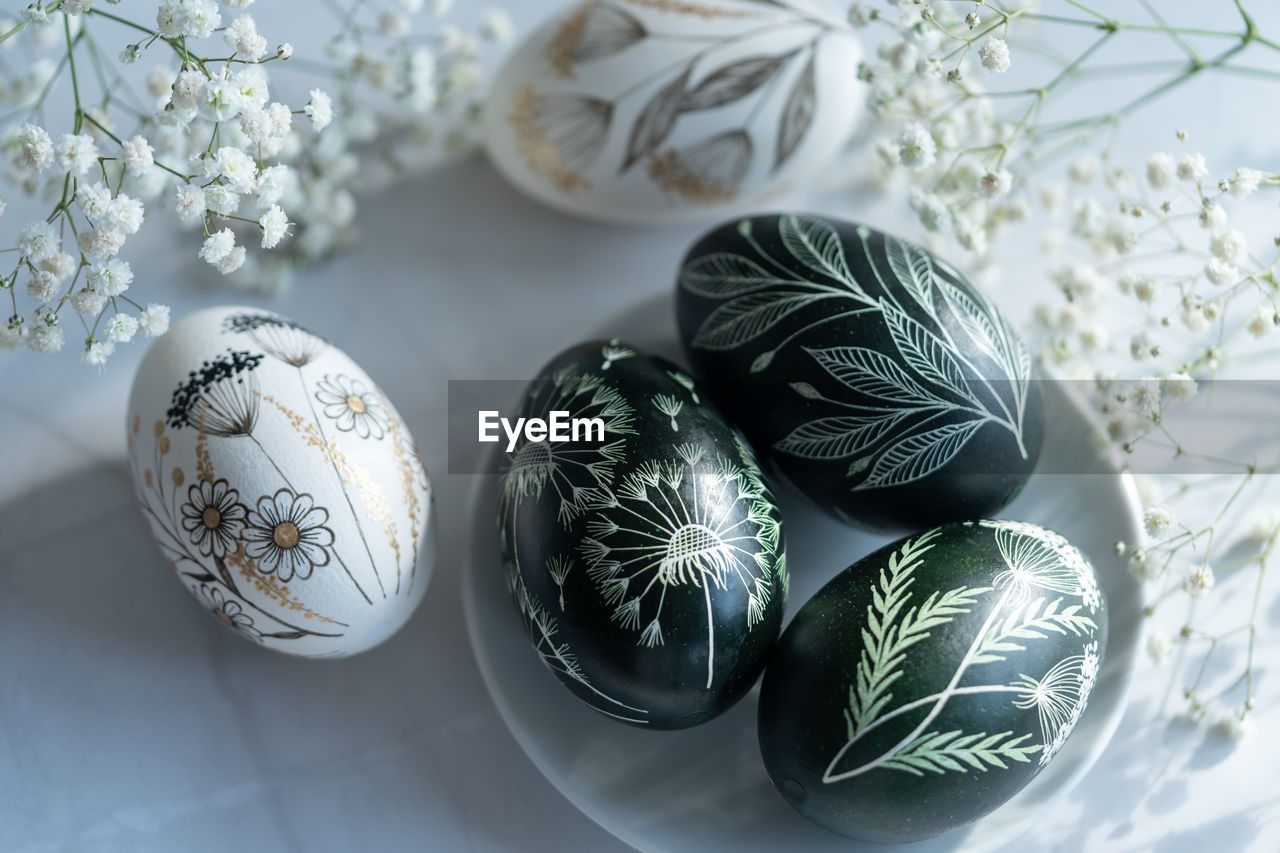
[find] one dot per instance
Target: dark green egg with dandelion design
(872, 375)
(642, 547)
(932, 680)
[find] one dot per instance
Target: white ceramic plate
(706, 788)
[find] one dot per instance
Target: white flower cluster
(1157, 282)
(214, 149)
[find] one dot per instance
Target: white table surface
(129, 720)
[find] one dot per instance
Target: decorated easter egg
(932, 680)
(646, 558)
(656, 111)
(874, 376)
(280, 483)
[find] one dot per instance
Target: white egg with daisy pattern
(280, 483)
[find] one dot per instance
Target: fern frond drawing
(896, 621)
(938, 752)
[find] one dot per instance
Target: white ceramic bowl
(706, 788)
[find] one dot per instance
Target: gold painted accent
(163, 444)
(148, 478)
(559, 50)
(158, 429)
(351, 473)
(539, 152)
(697, 10)
(407, 477)
(285, 534)
(178, 477)
(270, 586)
(667, 172)
(211, 517)
(137, 424)
(204, 462)
(356, 404)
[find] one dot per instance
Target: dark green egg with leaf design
(932, 680)
(870, 373)
(644, 551)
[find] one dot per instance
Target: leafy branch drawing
(938, 752)
(894, 626)
(934, 380)
(562, 135)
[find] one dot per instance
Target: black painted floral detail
(228, 610)
(287, 535)
(213, 517)
(282, 338)
(220, 397)
(352, 406)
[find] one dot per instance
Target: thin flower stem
(71, 63)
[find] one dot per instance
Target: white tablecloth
(129, 720)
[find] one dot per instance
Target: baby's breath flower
(217, 246)
(994, 55)
(1157, 520)
(1261, 322)
(218, 100)
(1199, 581)
(1212, 216)
(274, 225)
(35, 15)
(96, 353)
(242, 36)
(189, 202)
(1229, 246)
(1158, 646)
(110, 278)
(1143, 567)
(195, 19)
(37, 147)
(1244, 183)
(1220, 272)
(1084, 169)
(1192, 167)
(61, 265)
(13, 334)
(916, 148)
(187, 86)
(76, 153)
(124, 214)
(38, 241)
(138, 155)
(221, 199)
(319, 109)
(973, 19)
(42, 286)
(1160, 170)
(46, 337)
(997, 183)
(934, 214)
(232, 261)
(1180, 386)
(121, 328)
(153, 320)
(88, 302)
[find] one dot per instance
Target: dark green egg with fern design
(932, 680)
(867, 371)
(646, 558)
